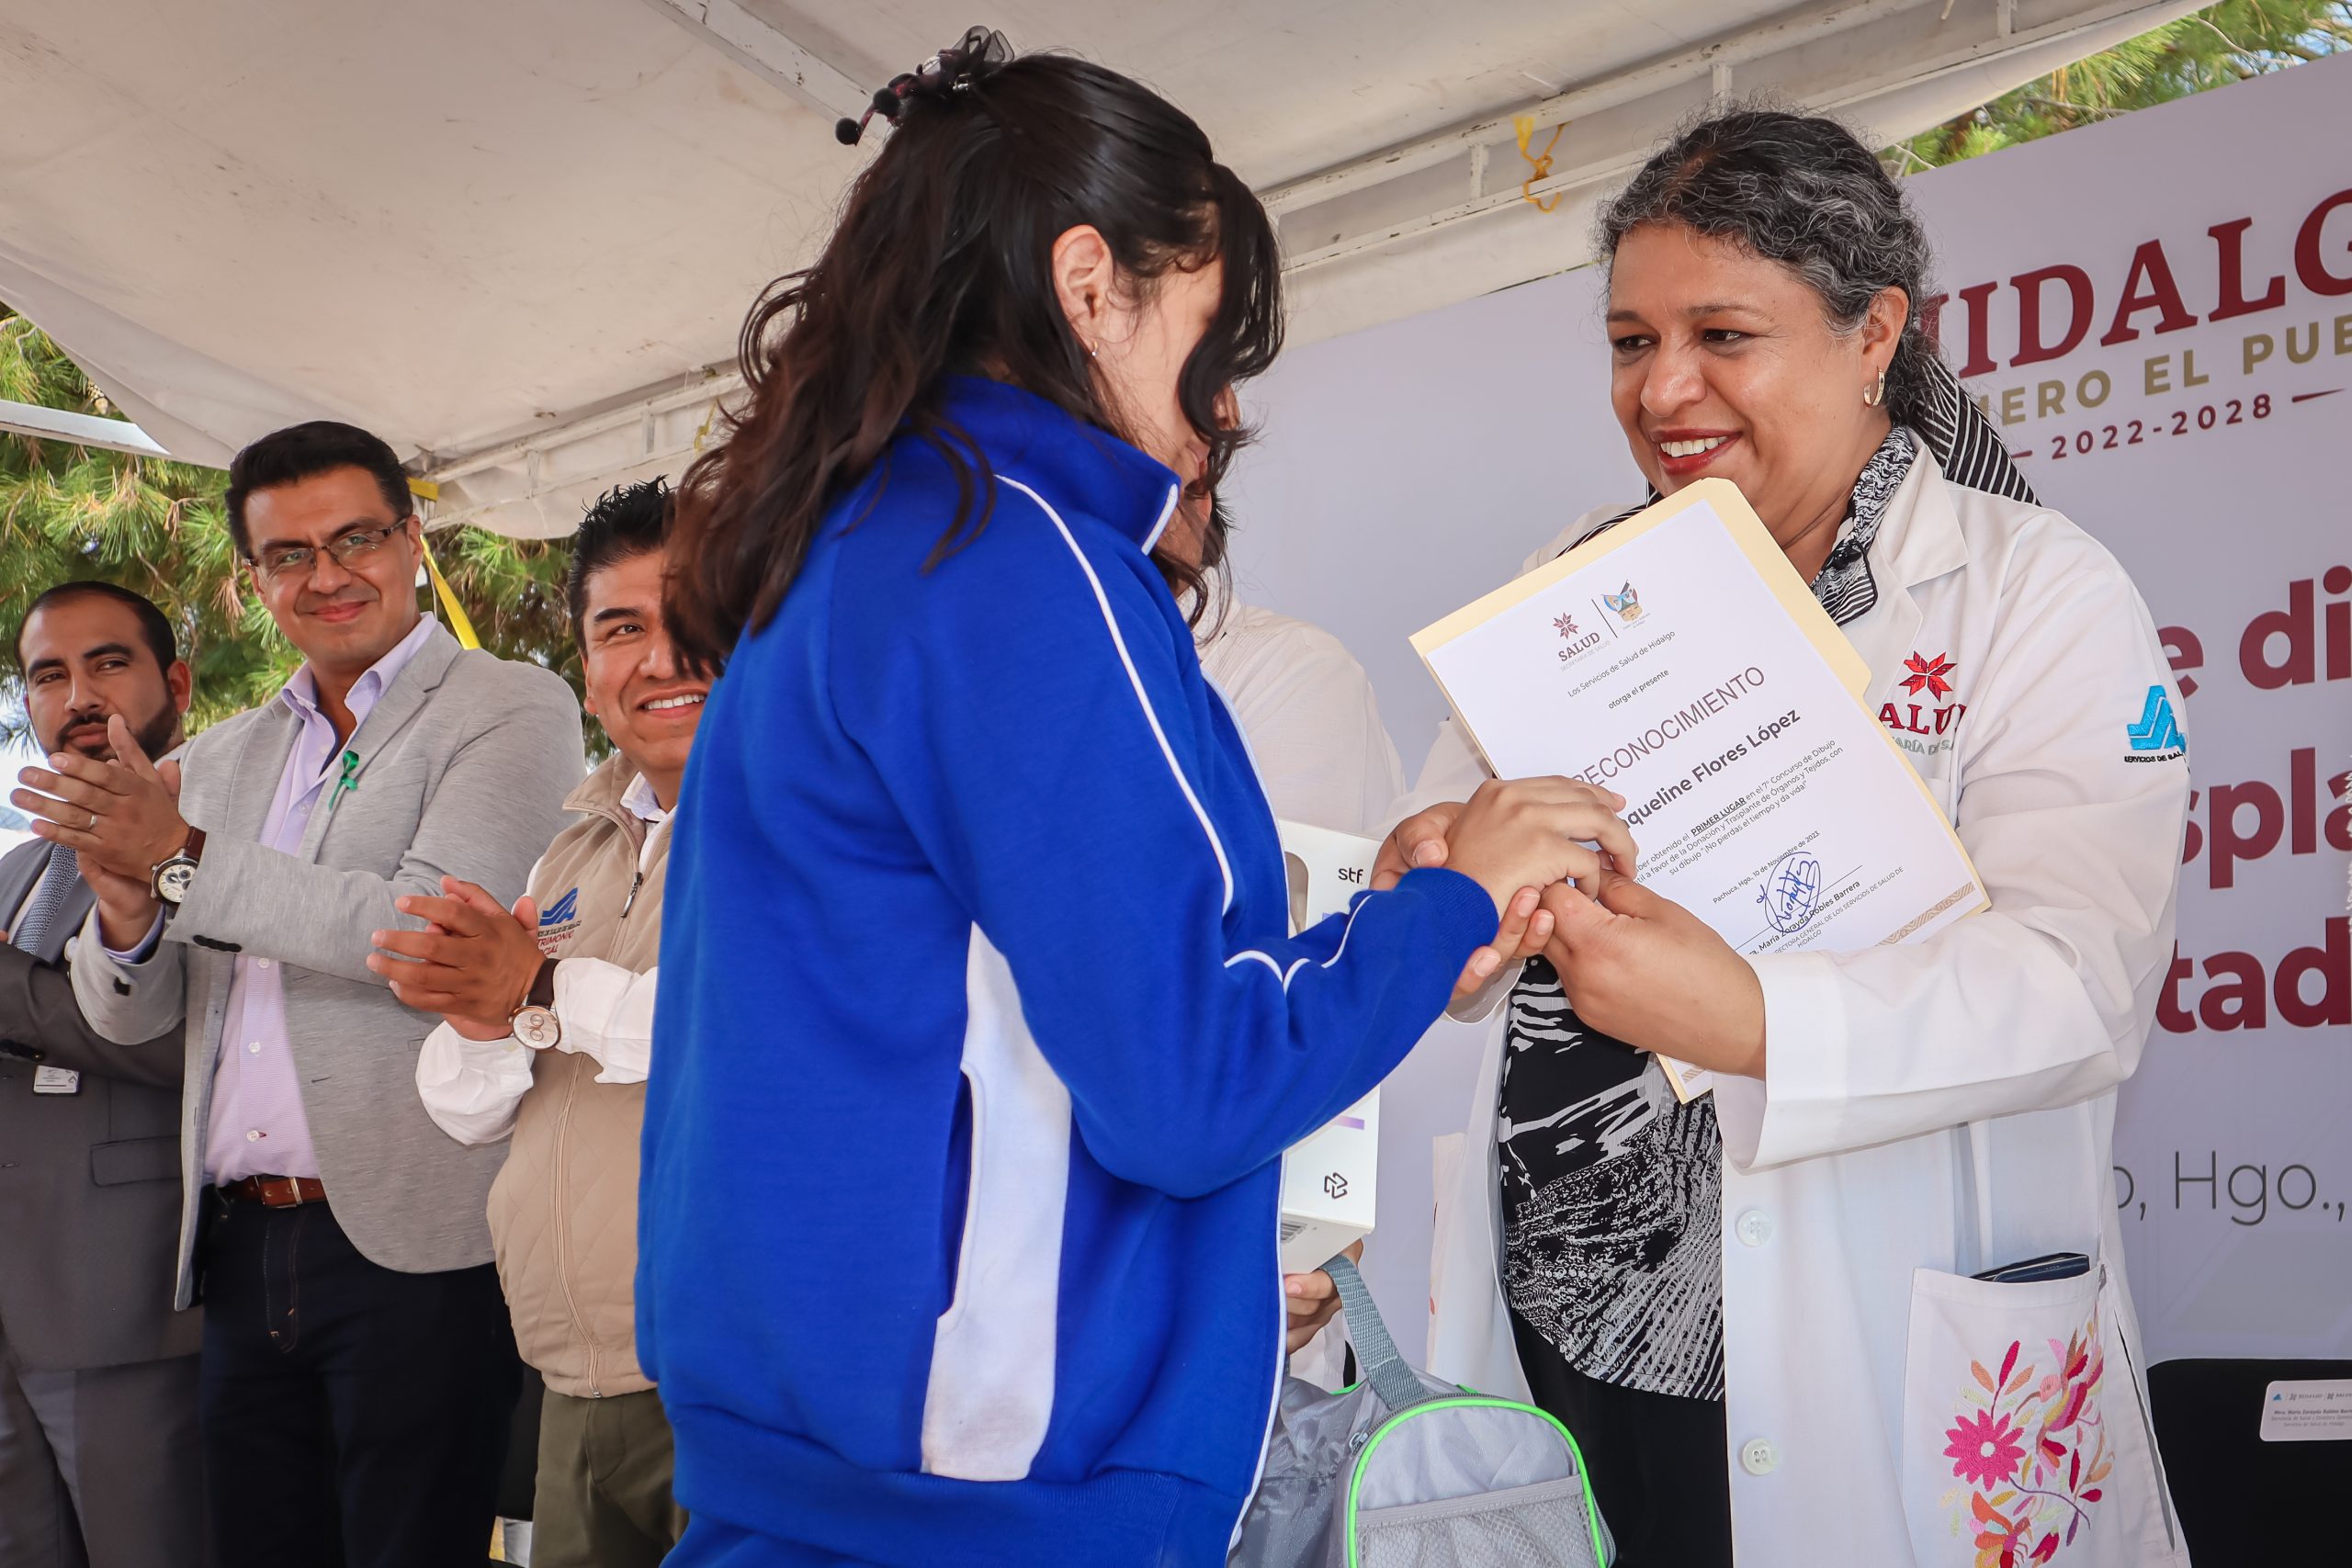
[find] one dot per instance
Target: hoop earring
(1877, 394)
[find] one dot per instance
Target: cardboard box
(1329, 1177)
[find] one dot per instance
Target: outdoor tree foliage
(2210, 47)
(70, 513)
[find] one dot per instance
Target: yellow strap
(459, 623)
(1539, 164)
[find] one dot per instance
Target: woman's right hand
(1513, 839)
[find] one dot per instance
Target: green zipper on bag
(1478, 1401)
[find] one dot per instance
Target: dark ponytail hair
(941, 264)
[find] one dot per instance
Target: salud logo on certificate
(1679, 660)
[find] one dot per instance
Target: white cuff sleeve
(1799, 1106)
(471, 1088)
(607, 1012)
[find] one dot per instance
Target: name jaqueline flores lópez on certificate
(1678, 659)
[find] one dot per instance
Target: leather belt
(277, 1191)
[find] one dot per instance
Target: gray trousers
(100, 1468)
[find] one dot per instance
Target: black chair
(2243, 1502)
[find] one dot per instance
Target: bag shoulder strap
(1384, 1366)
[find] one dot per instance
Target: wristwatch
(171, 874)
(534, 1023)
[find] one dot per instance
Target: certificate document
(1679, 660)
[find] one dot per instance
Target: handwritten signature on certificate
(1791, 891)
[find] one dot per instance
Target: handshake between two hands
(1559, 863)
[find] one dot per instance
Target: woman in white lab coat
(1762, 1315)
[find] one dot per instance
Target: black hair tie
(971, 60)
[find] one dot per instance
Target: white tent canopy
(518, 239)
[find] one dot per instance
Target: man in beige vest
(548, 1041)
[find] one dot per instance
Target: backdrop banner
(2157, 313)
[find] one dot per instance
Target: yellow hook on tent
(460, 624)
(1539, 164)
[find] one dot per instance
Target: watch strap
(542, 992)
(167, 877)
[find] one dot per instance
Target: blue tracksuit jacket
(979, 1035)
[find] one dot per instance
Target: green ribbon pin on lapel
(348, 782)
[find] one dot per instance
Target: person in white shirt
(547, 1038)
(1308, 711)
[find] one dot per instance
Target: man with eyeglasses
(358, 1367)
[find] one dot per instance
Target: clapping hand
(473, 965)
(121, 818)
(123, 815)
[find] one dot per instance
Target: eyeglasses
(281, 561)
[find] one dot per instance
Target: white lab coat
(1933, 1110)
(1306, 712)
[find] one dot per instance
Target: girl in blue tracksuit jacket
(980, 1029)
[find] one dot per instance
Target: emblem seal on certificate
(1679, 660)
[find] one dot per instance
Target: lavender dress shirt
(258, 1126)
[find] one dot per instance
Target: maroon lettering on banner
(2171, 1016)
(2231, 238)
(2238, 1002)
(2231, 844)
(2309, 827)
(2339, 623)
(2162, 294)
(2031, 347)
(2331, 962)
(2310, 266)
(2149, 283)
(1980, 330)
(2299, 666)
(2310, 988)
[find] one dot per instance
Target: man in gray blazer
(99, 1459)
(350, 1305)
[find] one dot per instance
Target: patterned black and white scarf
(1966, 446)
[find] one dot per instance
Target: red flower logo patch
(1932, 676)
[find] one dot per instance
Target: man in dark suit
(98, 1451)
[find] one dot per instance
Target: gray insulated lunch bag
(1402, 1470)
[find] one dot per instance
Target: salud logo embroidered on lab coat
(1934, 679)
(1929, 675)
